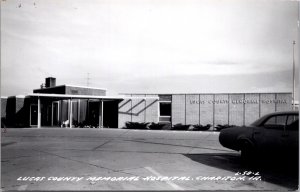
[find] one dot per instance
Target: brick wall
(236, 109)
(151, 112)
(3, 112)
(138, 109)
(22, 112)
(124, 112)
(214, 109)
(265, 106)
(281, 106)
(233, 109)
(178, 109)
(10, 112)
(221, 103)
(251, 110)
(3, 107)
(19, 104)
(206, 110)
(15, 111)
(192, 109)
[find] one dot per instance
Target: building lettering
(196, 102)
(240, 101)
(269, 101)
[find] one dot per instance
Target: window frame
(270, 128)
(287, 126)
(166, 116)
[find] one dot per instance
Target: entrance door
(46, 114)
(110, 116)
(93, 113)
(33, 114)
(55, 113)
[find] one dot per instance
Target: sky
(150, 46)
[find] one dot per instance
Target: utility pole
(294, 42)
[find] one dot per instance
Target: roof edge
(66, 85)
(87, 96)
(204, 93)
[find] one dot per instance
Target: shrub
(220, 127)
(201, 127)
(3, 122)
(167, 126)
(136, 125)
(156, 126)
(180, 127)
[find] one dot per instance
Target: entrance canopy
(63, 96)
(70, 97)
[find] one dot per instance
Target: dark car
(273, 134)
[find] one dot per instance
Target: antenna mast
(294, 42)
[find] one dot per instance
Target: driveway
(119, 159)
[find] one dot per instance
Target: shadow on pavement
(7, 143)
(279, 171)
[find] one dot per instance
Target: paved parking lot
(118, 159)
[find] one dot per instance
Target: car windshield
(258, 121)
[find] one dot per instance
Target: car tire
(247, 153)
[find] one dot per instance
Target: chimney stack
(50, 82)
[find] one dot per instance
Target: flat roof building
(78, 106)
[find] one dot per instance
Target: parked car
(273, 134)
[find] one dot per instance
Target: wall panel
(252, 109)
(192, 109)
(151, 113)
(221, 109)
(138, 109)
(267, 104)
(206, 109)
(284, 102)
(3, 107)
(236, 109)
(124, 112)
(178, 109)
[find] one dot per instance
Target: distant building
(77, 106)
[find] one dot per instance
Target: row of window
(290, 122)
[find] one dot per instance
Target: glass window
(292, 118)
(165, 109)
(276, 122)
(293, 122)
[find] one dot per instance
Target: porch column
(101, 113)
(52, 114)
(71, 113)
(39, 113)
(88, 113)
(78, 111)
